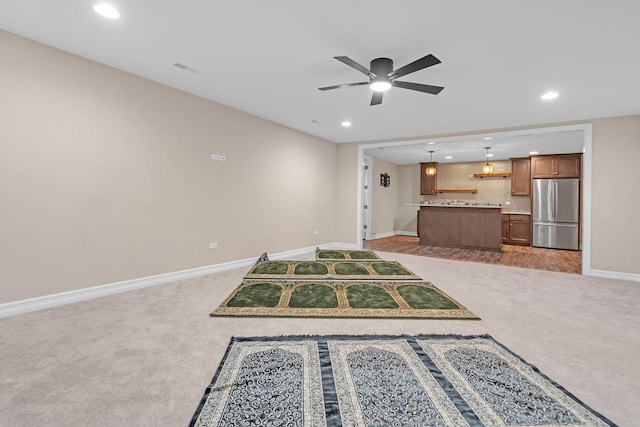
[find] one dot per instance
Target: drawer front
(517, 217)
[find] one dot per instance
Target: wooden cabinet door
(521, 177)
(569, 166)
(505, 228)
(543, 167)
(556, 166)
(519, 232)
(428, 182)
(516, 229)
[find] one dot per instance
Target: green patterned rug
(308, 298)
(330, 270)
(342, 254)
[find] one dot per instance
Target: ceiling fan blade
(434, 90)
(419, 64)
(353, 64)
(344, 85)
(376, 99)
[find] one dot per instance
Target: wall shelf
(492, 175)
(471, 190)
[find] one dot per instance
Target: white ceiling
(472, 148)
(269, 57)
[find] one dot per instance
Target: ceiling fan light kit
(382, 76)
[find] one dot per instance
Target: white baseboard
(615, 275)
(381, 235)
(62, 298)
(392, 233)
(406, 233)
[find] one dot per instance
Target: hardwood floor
(511, 255)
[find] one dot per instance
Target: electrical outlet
(215, 157)
(213, 245)
(507, 203)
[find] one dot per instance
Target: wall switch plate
(507, 203)
(215, 157)
(316, 232)
(222, 158)
(213, 245)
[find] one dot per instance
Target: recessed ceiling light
(490, 155)
(106, 10)
(431, 143)
(346, 123)
(488, 137)
(549, 95)
(448, 157)
(532, 153)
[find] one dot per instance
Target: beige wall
(346, 201)
(106, 176)
(409, 192)
(384, 200)
(615, 200)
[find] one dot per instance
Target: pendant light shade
(488, 167)
(431, 170)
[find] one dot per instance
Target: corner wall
(108, 177)
(615, 200)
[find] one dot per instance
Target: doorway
(586, 130)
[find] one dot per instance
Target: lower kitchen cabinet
(516, 229)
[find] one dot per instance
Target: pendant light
(431, 170)
(488, 167)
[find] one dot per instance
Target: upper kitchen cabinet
(427, 181)
(556, 166)
(521, 177)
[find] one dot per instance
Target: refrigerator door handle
(558, 224)
(555, 200)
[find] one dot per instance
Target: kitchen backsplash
(490, 190)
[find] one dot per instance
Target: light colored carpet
(144, 357)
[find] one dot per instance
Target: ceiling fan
(382, 76)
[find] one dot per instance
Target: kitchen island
(461, 226)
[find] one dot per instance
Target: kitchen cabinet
(521, 177)
(516, 229)
(460, 227)
(428, 182)
(556, 166)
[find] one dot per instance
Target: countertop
(444, 205)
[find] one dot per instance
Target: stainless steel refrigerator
(556, 204)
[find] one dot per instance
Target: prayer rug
(330, 270)
(382, 381)
(342, 254)
(371, 298)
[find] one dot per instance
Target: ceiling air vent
(185, 67)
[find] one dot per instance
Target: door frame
(587, 172)
(367, 166)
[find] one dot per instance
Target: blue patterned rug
(383, 381)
